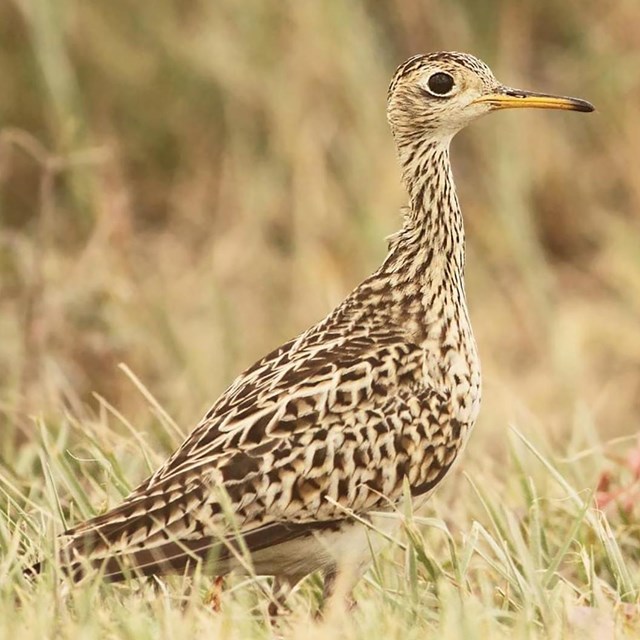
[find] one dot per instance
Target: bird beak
(507, 98)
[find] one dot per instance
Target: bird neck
(425, 265)
(434, 225)
(428, 179)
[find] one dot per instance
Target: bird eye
(440, 83)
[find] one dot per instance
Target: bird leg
(337, 585)
(214, 597)
(280, 590)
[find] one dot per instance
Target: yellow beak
(506, 98)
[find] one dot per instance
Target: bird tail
(147, 534)
(163, 554)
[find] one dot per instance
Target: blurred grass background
(185, 184)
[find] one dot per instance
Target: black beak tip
(584, 106)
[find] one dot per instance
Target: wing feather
(292, 452)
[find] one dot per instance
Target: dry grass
(186, 185)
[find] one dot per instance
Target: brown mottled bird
(313, 440)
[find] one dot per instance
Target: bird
(370, 407)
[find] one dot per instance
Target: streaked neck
(434, 220)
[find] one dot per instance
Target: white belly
(348, 549)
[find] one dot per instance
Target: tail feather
(167, 553)
(79, 558)
(174, 557)
(139, 515)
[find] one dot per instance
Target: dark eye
(440, 83)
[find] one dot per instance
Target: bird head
(431, 97)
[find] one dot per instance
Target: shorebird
(306, 446)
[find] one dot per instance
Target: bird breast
(451, 364)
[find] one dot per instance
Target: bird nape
(305, 447)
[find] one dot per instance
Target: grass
(521, 553)
(183, 189)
